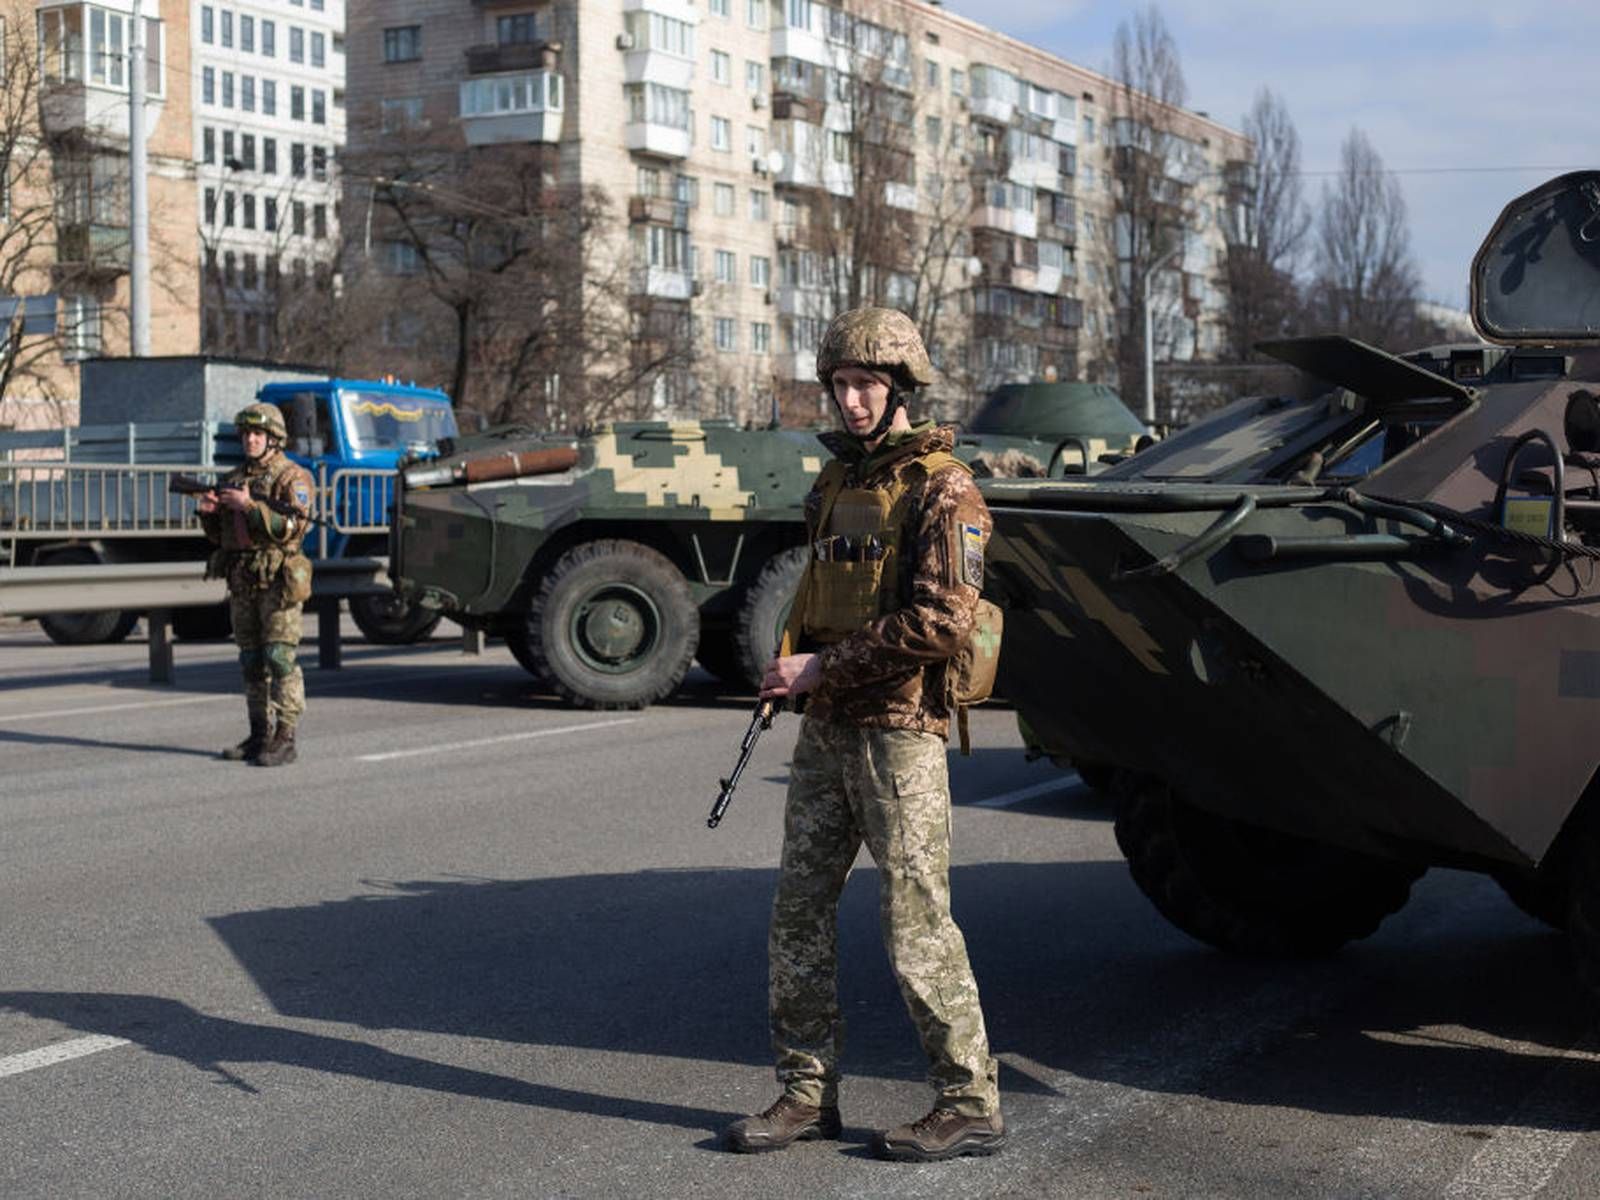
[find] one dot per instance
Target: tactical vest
(258, 564)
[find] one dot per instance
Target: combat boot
(788, 1120)
(943, 1133)
(249, 749)
(279, 750)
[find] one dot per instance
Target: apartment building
(66, 255)
(773, 160)
(268, 129)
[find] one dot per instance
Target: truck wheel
(612, 625)
(1250, 890)
(387, 620)
(718, 654)
(758, 625)
(84, 628)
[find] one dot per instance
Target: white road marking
(47, 1056)
(332, 685)
(1523, 1155)
(444, 747)
(1006, 799)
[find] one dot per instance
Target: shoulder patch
(302, 493)
(972, 555)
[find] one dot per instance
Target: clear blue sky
(1450, 93)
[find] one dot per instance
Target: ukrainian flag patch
(972, 555)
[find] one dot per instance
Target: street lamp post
(1149, 339)
(138, 193)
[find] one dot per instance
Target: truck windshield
(390, 421)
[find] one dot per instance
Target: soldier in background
(268, 578)
(898, 531)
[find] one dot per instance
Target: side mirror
(305, 439)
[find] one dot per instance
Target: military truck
(1323, 644)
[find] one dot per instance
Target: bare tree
(1366, 282)
(1266, 246)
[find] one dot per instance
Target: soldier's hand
(791, 675)
(206, 502)
(235, 498)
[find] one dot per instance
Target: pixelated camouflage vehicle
(1326, 643)
(1049, 429)
(609, 562)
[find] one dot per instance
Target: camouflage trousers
(888, 788)
(267, 632)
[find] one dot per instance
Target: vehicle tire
(522, 650)
(613, 625)
(718, 654)
(758, 625)
(205, 623)
(84, 628)
(1544, 895)
(387, 620)
(1251, 890)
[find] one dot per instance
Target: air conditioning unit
(758, 100)
(624, 41)
(758, 165)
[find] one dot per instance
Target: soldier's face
(862, 396)
(254, 442)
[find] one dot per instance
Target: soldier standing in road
(898, 531)
(257, 516)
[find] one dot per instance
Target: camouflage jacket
(890, 674)
(254, 542)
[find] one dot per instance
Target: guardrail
(158, 588)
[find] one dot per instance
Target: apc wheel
(84, 628)
(612, 625)
(387, 620)
(1250, 890)
(718, 654)
(758, 625)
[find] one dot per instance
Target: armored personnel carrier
(1323, 643)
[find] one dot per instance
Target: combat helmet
(882, 339)
(267, 417)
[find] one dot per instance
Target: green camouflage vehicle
(1327, 643)
(1052, 429)
(608, 562)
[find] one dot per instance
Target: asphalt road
(474, 944)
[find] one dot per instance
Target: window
(934, 131)
(319, 106)
(403, 43)
(227, 29)
(686, 190)
(319, 162)
(727, 266)
(319, 50)
(208, 143)
(251, 273)
(721, 68)
(721, 133)
(297, 103)
(760, 205)
(722, 199)
(269, 97)
(247, 34)
(717, 8)
(211, 206)
(297, 44)
(299, 211)
(227, 148)
(228, 203)
(660, 247)
(798, 15)
(208, 85)
(207, 24)
(247, 151)
(760, 271)
(247, 93)
(655, 31)
(725, 332)
(297, 160)
(402, 257)
(839, 143)
(755, 76)
(227, 89)
(755, 141)
(269, 156)
(657, 104)
(269, 38)
(1088, 129)
(517, 29)
(319, 220)
(755, 14)
(401, 113)
(249, 205)
(760, 337)
(931, 72)
(269, 222)
(958, 82)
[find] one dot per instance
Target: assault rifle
(762, 720)
(193, 485)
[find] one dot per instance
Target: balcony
(523, 107)
(793, 300)
(648, 137)
(97, 113)
(900, 195)
(496, 58)
(657, 210)
(1034, 172)
(92, 249)
(661, 282)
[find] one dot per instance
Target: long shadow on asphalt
(1082, 983)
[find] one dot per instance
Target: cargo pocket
(295, 578)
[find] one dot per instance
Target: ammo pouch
(969, 677)
(295, 576)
